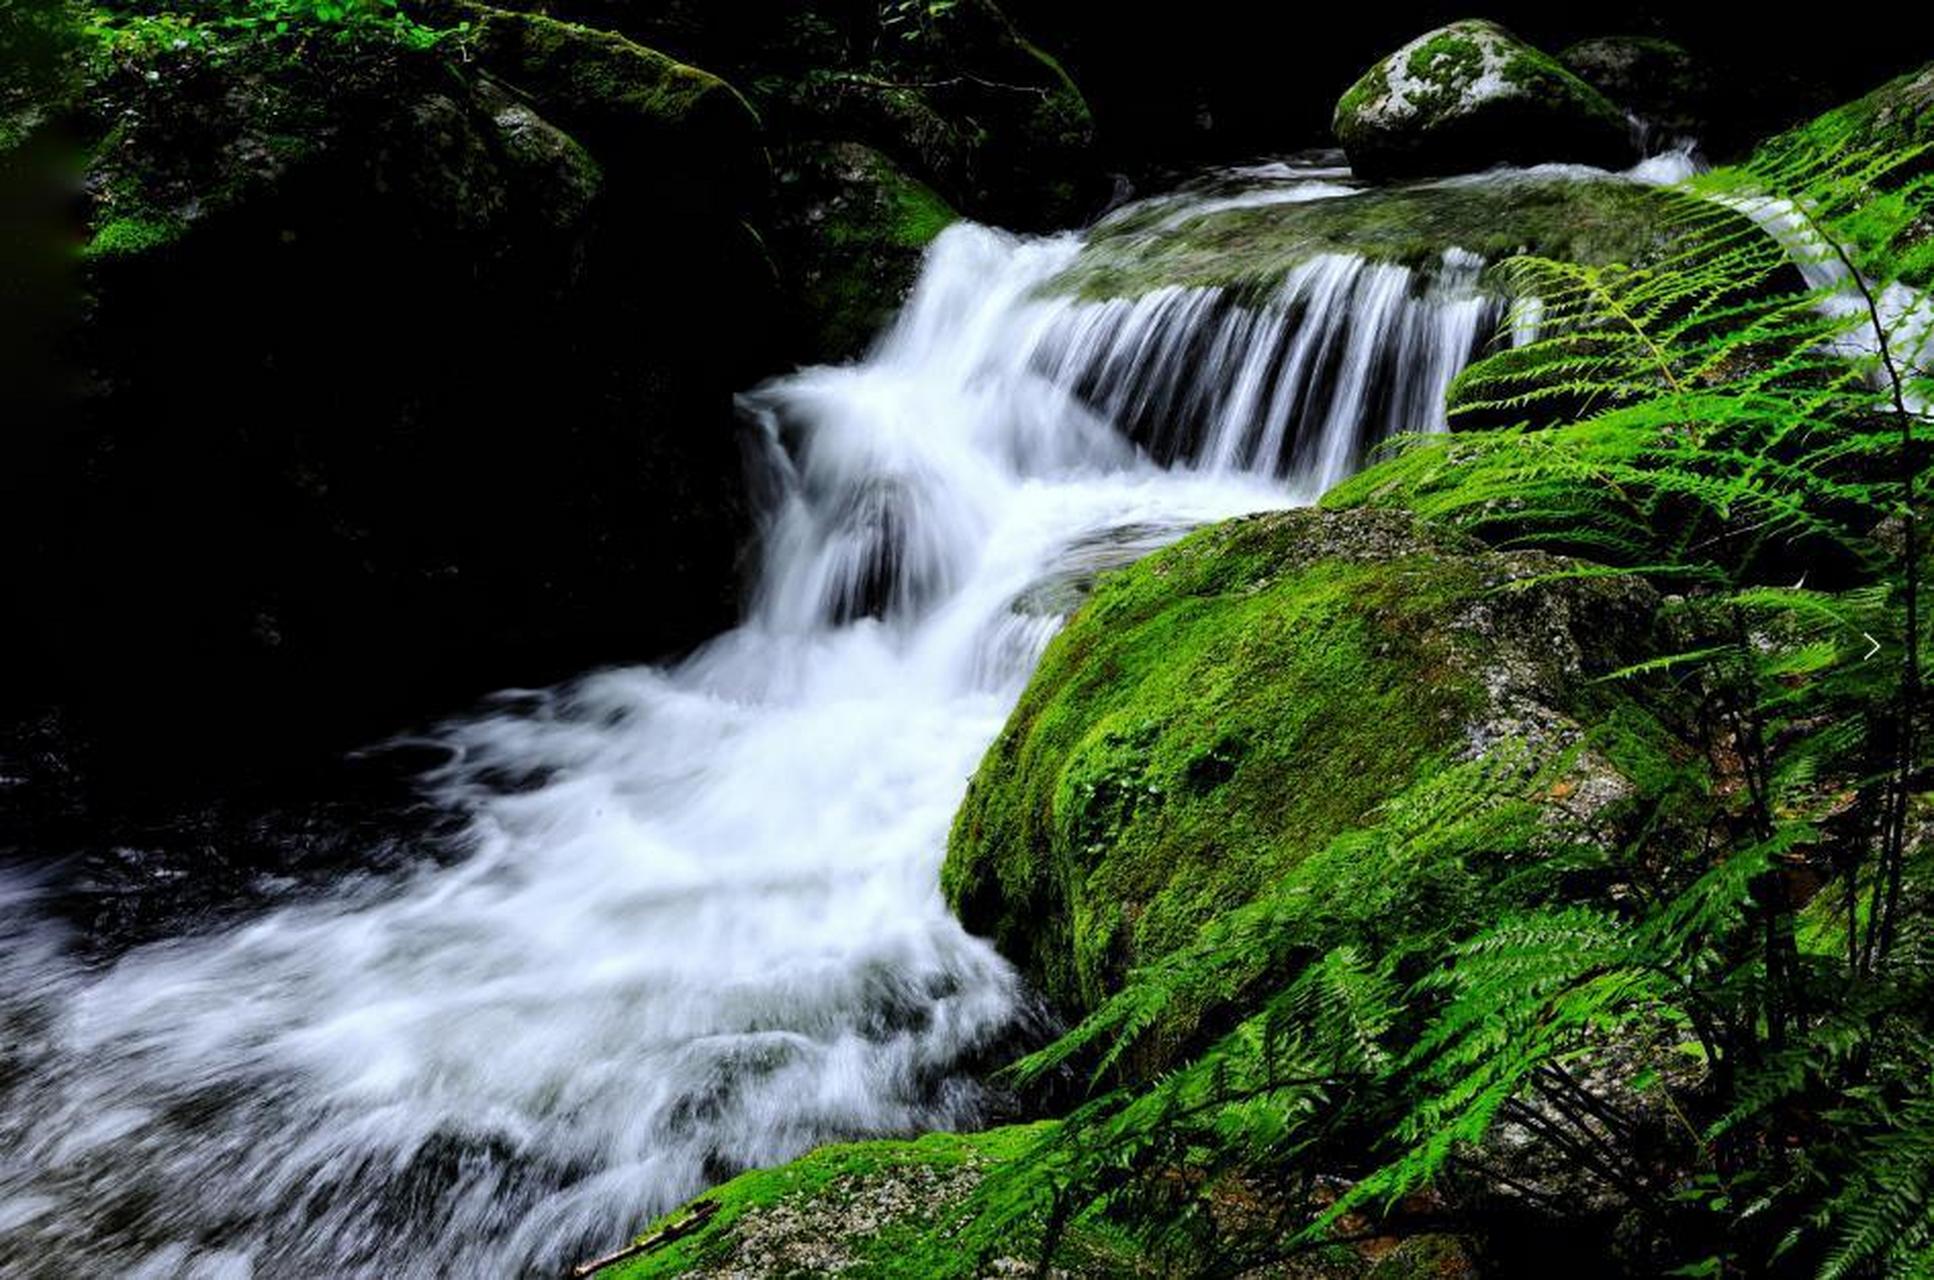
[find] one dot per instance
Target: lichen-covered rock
(1223, 712)
(870, 1211)
(850, 233)
(1656, 80)
(1471, 95)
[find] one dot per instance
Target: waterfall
(695, 924)
(1343, 354)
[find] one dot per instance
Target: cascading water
(1344, 353)
(696, 926)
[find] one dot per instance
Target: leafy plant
(914, 21)
(202, 22)
(1728, 1026)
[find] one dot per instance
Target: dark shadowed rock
(1656, 80)
(397, 380)
(850, 232)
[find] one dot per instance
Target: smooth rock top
(1470, 96)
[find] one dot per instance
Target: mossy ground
(868, 1210)
(898, 1210)
(1594, 222)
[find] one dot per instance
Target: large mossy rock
(1469, 96)
(684, 126)
(955, 95)
(1898, 116)
(1595, 222)
(850, 233)
(1222, 713)
(400, 377)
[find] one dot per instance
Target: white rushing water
(697, 924)
(1891, 319)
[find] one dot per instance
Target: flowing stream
(695, 926)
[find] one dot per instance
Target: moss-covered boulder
(1896, 119)
(1656, 80)
(1412, 225)
(1471, 95)
(1222, 712)
(686, 127)
(850, 232)
(956, 95)
(1899, 115)
(392, 373)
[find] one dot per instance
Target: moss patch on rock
(957, 96)
(1899, 114)
(1596, 222)
(869, 1210)
(413, 262)
(624, 100)
(1226, 709)
(851, 234)
(903, 1210)
(1897, 118)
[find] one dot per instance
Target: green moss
(852, 234)
(882, 1209)
(128, 237)
(1450, 62)
(1215, 715)
(184, 130)
(897, 210)
(1896, 118)
(1538, 72)
(603, 82)
(1252, 702)
(1373, 86)
(1593, 222)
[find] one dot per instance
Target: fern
(1740, 420)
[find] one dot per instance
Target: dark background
(1215, 79)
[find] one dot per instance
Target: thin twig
(700, 1214)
